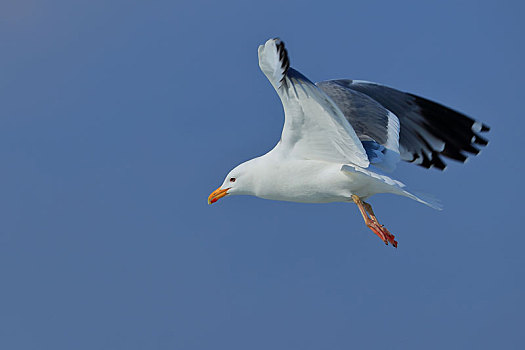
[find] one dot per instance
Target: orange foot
(382, 232)
(373, 223)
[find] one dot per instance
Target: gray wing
(428, 130)
(376, 127)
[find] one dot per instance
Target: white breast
(306, 181)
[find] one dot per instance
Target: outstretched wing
(314, 127)
(428, 130)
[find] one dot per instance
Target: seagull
(341, 137)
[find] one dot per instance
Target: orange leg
(372, 221)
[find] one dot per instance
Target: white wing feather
(314, 127)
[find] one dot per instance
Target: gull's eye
(232, 179)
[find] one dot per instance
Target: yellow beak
(217, 194)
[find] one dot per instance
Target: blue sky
(118, 118)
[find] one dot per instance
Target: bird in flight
(340, 137)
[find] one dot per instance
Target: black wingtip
(454, 128)
(283, 56)
(480, 140)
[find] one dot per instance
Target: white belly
(306, 181)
